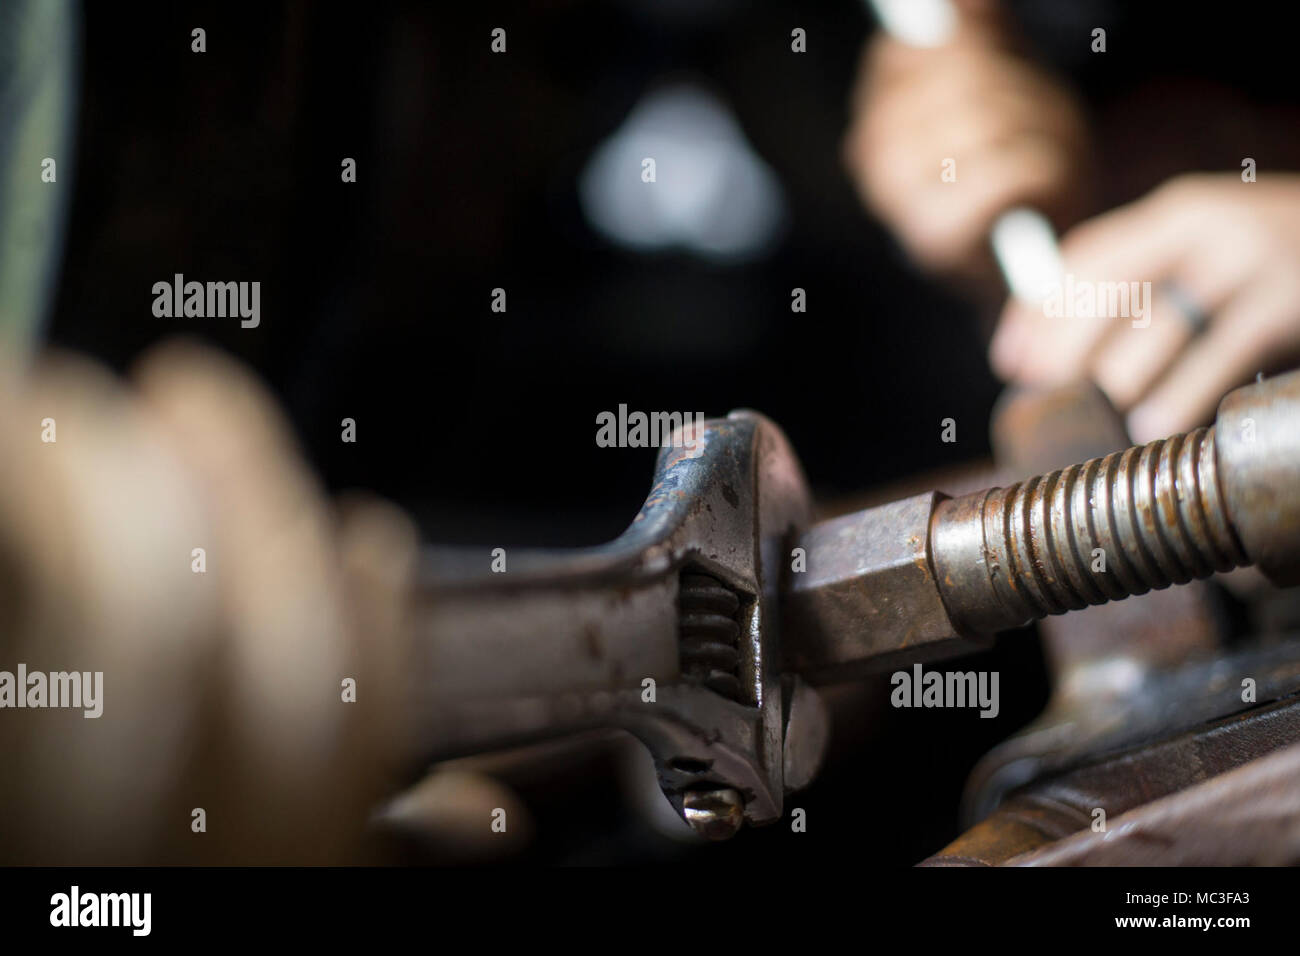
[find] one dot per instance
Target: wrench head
(726, 514)
(670, 632)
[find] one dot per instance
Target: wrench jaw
(566, 641)
(701, 742)
(720, 732)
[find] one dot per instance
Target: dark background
(375, 295)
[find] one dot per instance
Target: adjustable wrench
(703, 628)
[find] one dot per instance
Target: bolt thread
(1134, 521)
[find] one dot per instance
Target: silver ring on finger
(1195, 317)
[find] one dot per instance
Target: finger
(379, 550)
(276, 719)
(1011, 338)
(273, 520)
(1033, 348)
(100, 521)
(1228, 354)
(913, 110)
(1148, 241)
(897, 165)
(1142, 241)
(1129, 359)
(950, 85)
(997, 122)
(951, 220)
(445, 809)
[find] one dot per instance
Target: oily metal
(1249, 816)
(1122, 672)
(698, 627)
(1039, 431)
(669, 632)
(934, 572)
(1027, 825)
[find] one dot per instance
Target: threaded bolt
(922, 577)
(1134, 521)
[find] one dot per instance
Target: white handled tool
(1023, 241)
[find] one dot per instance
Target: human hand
(1212, 248)
(221, 673)
(1012, 133)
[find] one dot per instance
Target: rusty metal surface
(1246, 817)
(694, 595)
(1051, 809)
(564, 642)
(1124, 524)
(868, 599)
(1133, 521)
(1259, 450)
(1040, 430)
(1115, 702)
(807, 733)
(1110, 664)
(1017, 828)
(1036, 430)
